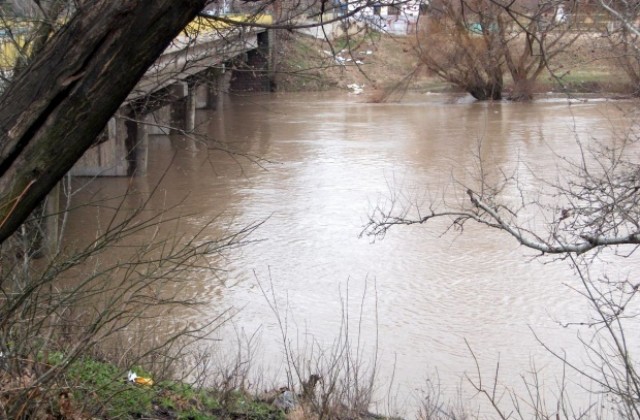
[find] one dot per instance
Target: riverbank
(94, 389)
(382, 67)
(376, 62)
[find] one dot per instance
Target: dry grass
(390, 64)
(379, 62)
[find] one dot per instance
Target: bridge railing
(14, 36)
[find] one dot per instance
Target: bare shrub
(473, 43)
(465, 58)
(334, 382)
(587, 215)
(610, 351)
(433, 405)
(623, 35)
(83, 301)
(229, 372)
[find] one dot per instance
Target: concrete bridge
(192, 73)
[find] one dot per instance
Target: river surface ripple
(422, 298)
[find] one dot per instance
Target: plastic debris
(286, 401)
(139, 380)
(356, 88)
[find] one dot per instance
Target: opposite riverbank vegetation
(385, 66)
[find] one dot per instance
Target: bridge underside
(191, 74)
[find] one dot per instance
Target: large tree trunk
(57, 106)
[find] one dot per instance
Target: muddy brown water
(420, 298)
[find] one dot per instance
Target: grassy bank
(89, 388)
(379, 62)
(94, 389)
(386, 64)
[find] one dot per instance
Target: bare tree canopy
(54, 109)
(473, 44)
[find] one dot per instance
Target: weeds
(82, 302)
(93, 388)
(329, 383)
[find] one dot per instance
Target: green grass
(100, 390)
(589, 80)
(102, 387)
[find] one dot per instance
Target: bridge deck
(205, 43)
(13, 38)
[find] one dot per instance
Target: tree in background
(534, 37)
(623, 35)
(473, 43)
(461, 45)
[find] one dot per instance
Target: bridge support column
(158, 121)
(137, 142)
(202, 95)
(183, 102)
(212, 95)
(178, 94)
(191, 106)
(271, 48)
(121, 149)
(108, 156)
(217, 83)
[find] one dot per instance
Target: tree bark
(53, 111)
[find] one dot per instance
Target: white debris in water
(355, 88)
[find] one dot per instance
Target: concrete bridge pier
(214, 84)
(213, 95)
(183, 101)
(175, 111)
(177, 99)
(158, 121)
(137, 142)
(191, 106)
(121, 149)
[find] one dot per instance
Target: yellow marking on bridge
(13, 39)
(204, 24)
(9, 53)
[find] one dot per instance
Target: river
(310, 168)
